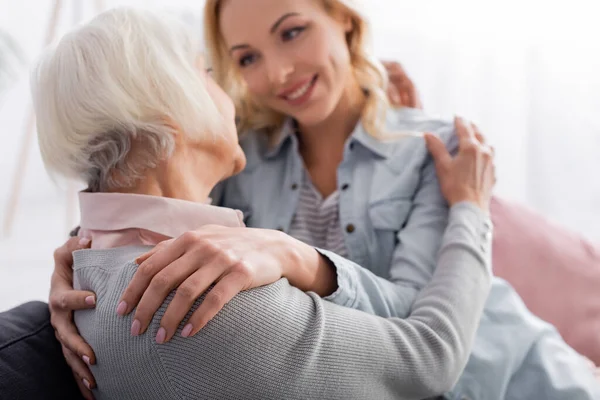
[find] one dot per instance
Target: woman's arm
(278, 342)
(298, 346)
(428, 231)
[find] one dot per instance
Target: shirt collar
(286, 133)
(166, 216)
(381, 147)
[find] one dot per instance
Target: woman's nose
(279, 70)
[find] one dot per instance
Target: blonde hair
(127, 75)
(368, 71)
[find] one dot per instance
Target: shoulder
(406, 126)
(255, 145)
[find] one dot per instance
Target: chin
(314, 115)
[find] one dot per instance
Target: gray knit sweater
(277, 342)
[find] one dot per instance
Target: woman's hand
(231, 259)
(401, 90)
(470, 175)
(63, 301)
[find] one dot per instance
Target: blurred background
(527, 72)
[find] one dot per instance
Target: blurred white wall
(528, 72)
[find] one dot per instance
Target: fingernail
(84, 241)
(161, 335)
(90, 300)
(135, 328)
(86, 360)
(87, 384)
(122, 308)
(187, 330)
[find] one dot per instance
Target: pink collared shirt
(119, 219)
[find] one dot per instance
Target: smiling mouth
(301, 91)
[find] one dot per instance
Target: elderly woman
(123, 105)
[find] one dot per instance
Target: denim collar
(380, 148)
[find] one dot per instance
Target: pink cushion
(556, 272)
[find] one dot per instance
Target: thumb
(438, 150)
(394, 95)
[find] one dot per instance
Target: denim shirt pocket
(389, 214)
(387, 217)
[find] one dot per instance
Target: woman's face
(292, 54)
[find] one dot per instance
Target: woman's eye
(292, 33)
(247, 60)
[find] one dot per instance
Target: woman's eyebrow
(273, 29)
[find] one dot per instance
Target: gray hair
(128, 75)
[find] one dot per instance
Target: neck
(329, 136)
(179, 178)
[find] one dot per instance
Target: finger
(63, 256)
(180, 271)
(72, 300)
(79, 368)
(151, 252)
(393, 68)
(145, 274)
(478, 135)
(63, 262)
(408, 88)
(187, 294)
(230, 285)
(405, 99)
(463, 130)
(147, 255)
(85, 392)
(438, 151)
(394, 96)
(69, 337)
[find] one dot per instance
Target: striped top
(317, 220)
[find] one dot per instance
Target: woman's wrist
(306, 269)
(479, 202)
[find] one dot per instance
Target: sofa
(31, 362)
(556, 272)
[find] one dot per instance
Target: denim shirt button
(345, 186)
(350, 228)
(294, 186)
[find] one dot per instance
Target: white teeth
(299, 92)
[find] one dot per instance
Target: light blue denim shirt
(393, 216)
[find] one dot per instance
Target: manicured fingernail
(122, 308)
(84, 241)
(87, 384)
(86, 360)
(187, 330)
(135, 328)
(161, 335)
(90, 300)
